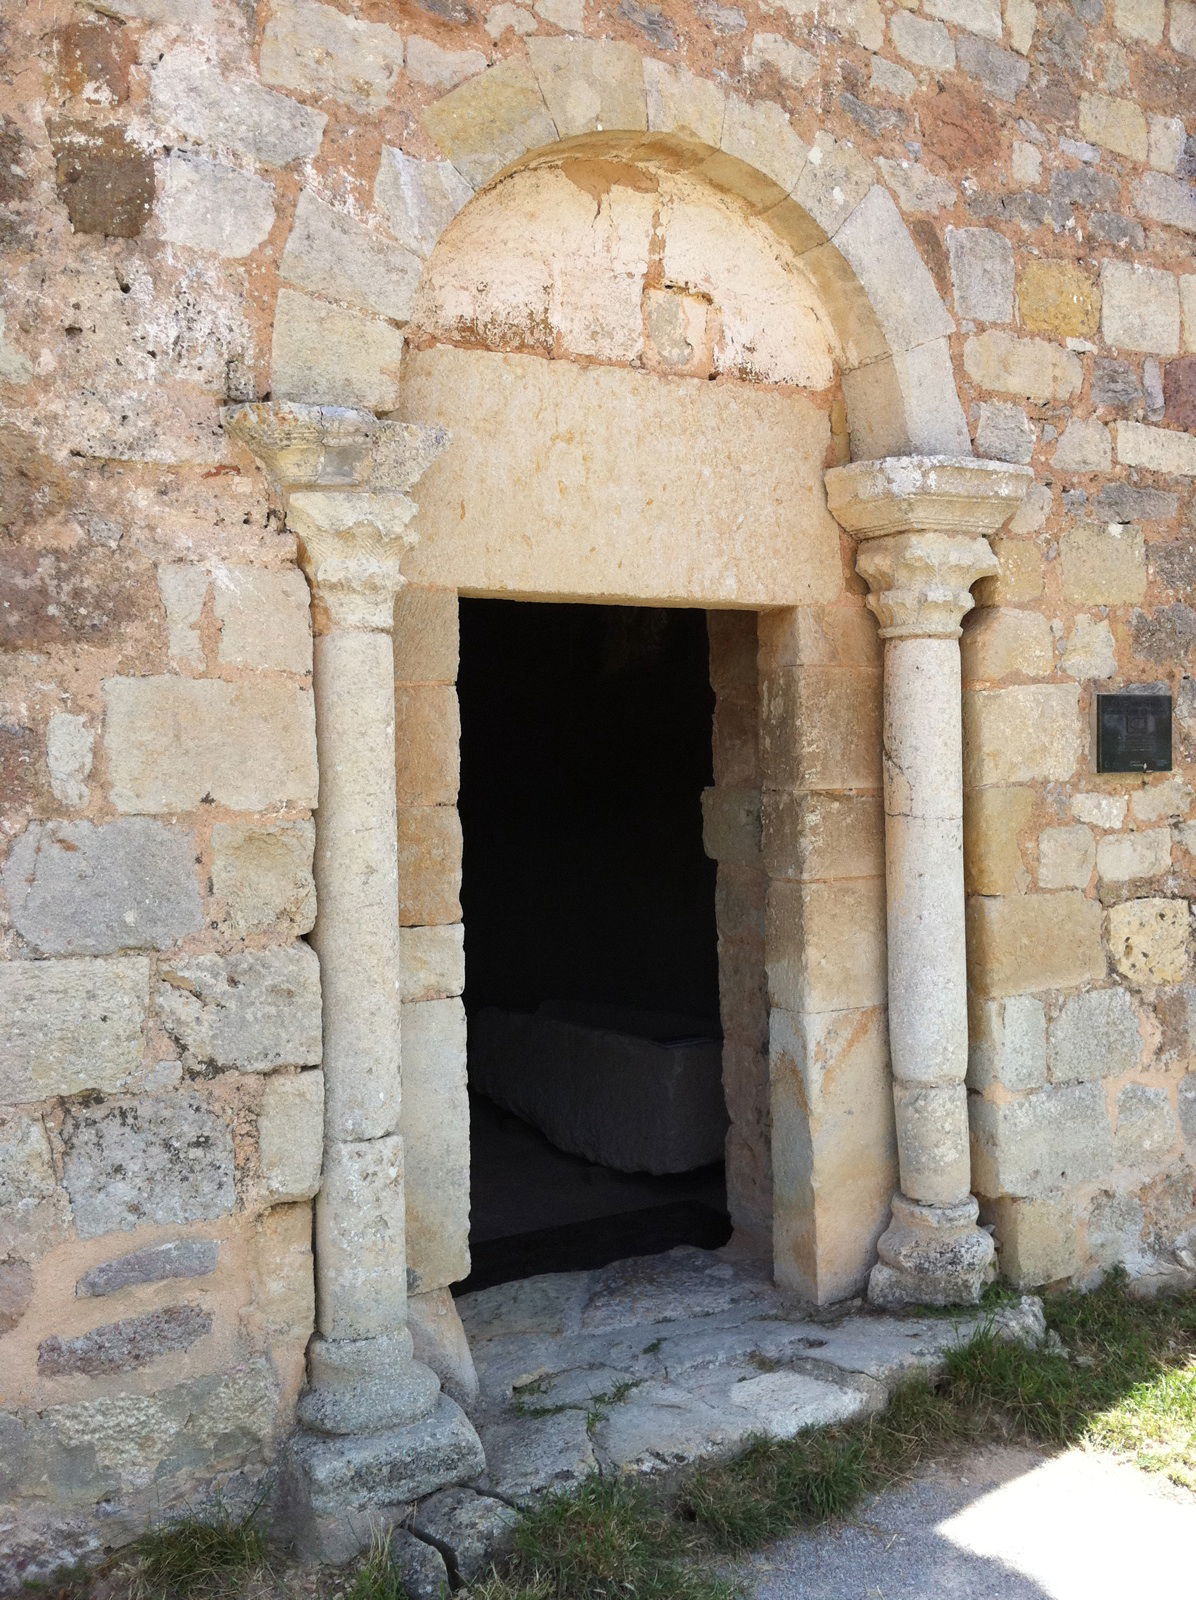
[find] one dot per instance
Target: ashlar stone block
(212, 207)
(290, 1132)
(427, 744)
(191, 97)
(1056, 1138)
(491, 120)
(1084, 446)
(1114, 124)
(1089, 651)
(1022, 733)
(826, 945)
(1022, 943)
(429, 865)
(418, 199)
(432, 962)
(1140, 20)
(1007, 1040)
(1146, 1126)
(330, 356)
(164, 1159)
(1066, 857)
(921, 40)
(1032, 368)
(262, 878)
(70, 1026)
(319, 51)
(1157, 449)
(329, 252)
(1039, 1239)
(86, 888)
(1139, 308)
(1094, 1035)
(1058, 299)
(976, 16)
(254, 1011)
(1003, 643)
(994, 820)
(1162, 198)
(1104, 564)
(426, 636)
(682, 103)
(1149, 940)
(1122, 857)
(590, 83)
(172, 743)
(981, 269)
(264, 617)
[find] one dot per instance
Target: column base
(336, 1493)
(365, 1385)
(932, 1256)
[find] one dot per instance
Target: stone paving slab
(997, 1524)
(652, 1363)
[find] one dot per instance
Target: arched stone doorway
(378, 1432)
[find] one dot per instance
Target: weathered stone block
(994, 821)
(177, 1258)
(1089, 651)
(474, 1528)
(126, 1345)
(1038, 1240)
(432, 962)
(69, 1026)
(254, 1011)
(1022, 943)
(826, 945)
(1094, 1035)
(1139, 308)
(590, 83)
(1057, 1137)
(1115, 124)
(69, 747)
(330, 356)
(491, 120)
(429, 865)
(1020, 578)
(1179, 392)
(418, 199)
(820, 728)
(160, 1159)
(85, 888)
(435, 1126)
(1007, 1044)
(191, 97)
(1104, 564)
(1058, 299)
(1004, 432)
(1169, 800)
(1003, 643)
(265, 619)
(1149, 941)
(924, 42)
(16, 1292)
(1156, 449)
(427, 744)
(1031, 368)
(210, 207)
(321, 51)
(1140, 20)
(290, 1135)
(1066, 857)
(977, 16)
(822, 835)
(427, 636)
(430, 63)
(679, 100)
(1121, 857)
(26, 1166)
(1022, 733)
(171, 743)
(731, 826)
(284, 1296)
(1085, 446)
(330, 253)
(1146, 1126)
(262, 878)
(104, 179)
(1165, 199)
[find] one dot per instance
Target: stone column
(923, 524)
(377, 1432)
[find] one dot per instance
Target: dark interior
(585, 747)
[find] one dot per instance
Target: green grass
(196, 1557)
(376, 1577)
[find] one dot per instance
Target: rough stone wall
(189, 186)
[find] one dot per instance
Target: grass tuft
(376, 1577)
(198, 1556)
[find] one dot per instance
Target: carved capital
(333, 447)
(923, 523)
(344, 474)
(921, 582)
(350, 547)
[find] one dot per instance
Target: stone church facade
(867, 327)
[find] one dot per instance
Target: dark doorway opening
(590, 948)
